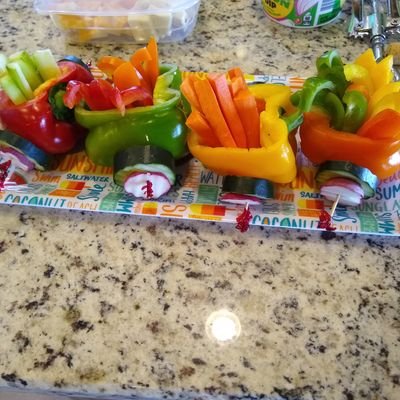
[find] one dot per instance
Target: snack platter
(76, 183)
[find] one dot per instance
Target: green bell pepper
(329, 91)
(162, 124)
(356, 110)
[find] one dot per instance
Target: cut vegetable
(349, 192)
(246, 106)
(242, 190)
(22, 152)
(211, 110)
(17, 75)
(46, 64)
(56, 100)
(147, 185)
(197, 122)
(125, 76)
(152, 65)
(140, 164)
(12, 90)
(221, 89)
(28, 68)
(341, 169)
(108, 64)
(76, 60)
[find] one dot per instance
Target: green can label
(302, 13)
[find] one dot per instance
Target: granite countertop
(109, 305)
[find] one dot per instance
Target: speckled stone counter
(108, 305)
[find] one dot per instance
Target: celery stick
(18, 77)
(11, 89)
(28, 68)
(46, 64)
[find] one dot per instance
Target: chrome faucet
(379, 22)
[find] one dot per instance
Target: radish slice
(236, 198)
(17, 159)
(147, 185)
(350, 192)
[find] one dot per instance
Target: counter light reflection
(223, 326)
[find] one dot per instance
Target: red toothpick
(4, 169)
(243, 219)
(325, 218)
(148, 189)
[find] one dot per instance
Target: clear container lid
(110, 7)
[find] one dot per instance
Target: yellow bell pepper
(274, 160)
(382, 92)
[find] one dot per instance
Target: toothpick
(334, 205)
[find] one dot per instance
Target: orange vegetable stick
(212, 112)
(236, 72)
(221, 89)
(125, 76)
(108, 64)
(188, 91)
(237, 84)
(139, 60)
(152, 65)
(260, 104)
(197, 123)
(246, 106)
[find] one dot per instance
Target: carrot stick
(212, 112)
(237, 84)
(152, 65)
(125, 76)
(139, 60)
(236, 72)
(221, 89)
(188, 91)
(197, 123)
(246, 106)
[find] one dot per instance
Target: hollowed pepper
(34, 119)
(366, 131)
(274, 160)
(162, 124)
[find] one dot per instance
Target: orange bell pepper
(379, 153)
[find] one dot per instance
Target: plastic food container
(122, 20)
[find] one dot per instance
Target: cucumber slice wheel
(342, 169)
(136, 166)
(24, 154)
(245, 190)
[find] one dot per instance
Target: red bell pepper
(34, 120)
(100, 95)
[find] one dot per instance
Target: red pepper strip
(136, 96)
(110, 92)
(34, 120)
(73, 95)
(320, 142)
(100, 95)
